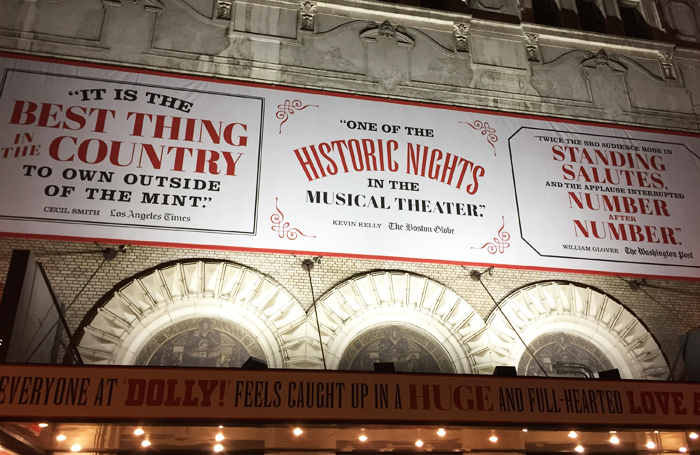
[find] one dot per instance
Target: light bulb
(419, 443)
(650, 445)
(441, 432)
(297, 431)
(579, 449)
(218, 448)
(682, 450)
(493, 438)
(61, 437)
(75, 448)
(219, 437)
(524, 430)
(614, 440)
(43, 425)
(138, 432)
(362, 438)
(145, 443)
(693, 435)
(573, 434)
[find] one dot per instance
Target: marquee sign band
(171, 394)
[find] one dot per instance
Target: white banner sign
(136, 157)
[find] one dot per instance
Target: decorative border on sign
(486, 130)
(500, 242)
(282, 228)
(288, 108)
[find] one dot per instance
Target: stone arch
(395, 298)
(173, 294)
(583, 312)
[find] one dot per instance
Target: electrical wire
(308, 267)
(478, 276)
(70, 337)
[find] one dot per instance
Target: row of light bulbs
(419, 443)
(217, 447)
(615, 440)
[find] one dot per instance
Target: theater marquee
(169, 394)
(139, 157)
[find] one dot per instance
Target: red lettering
(23, 109)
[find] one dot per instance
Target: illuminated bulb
(524, 430)
(297, 431)
(43, 425)
(419, 443)
(693, 435)
(614, 440)
(573, 434)
(656, 432)
(75, 448)
(682, 450)
(219, 437)
(146, 443)
(650, 445)
(221, 426)
(61, 437)
(218, 448)
(441, 432)
(138, 432)
(493, 438)
(579, 449)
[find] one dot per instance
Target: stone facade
(490, 54)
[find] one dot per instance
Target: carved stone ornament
(602, 60)
(149, 5)
(461, 32)
(307, 9)
(388, 31)
(532, 46)
(223, 9)
(667, 67)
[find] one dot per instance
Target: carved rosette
(223, 9)
(307, 9)
(532, 47)
(668, 67)
(461, 34)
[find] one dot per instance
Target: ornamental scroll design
(307, 9)
(486, 130)
(288, 108)
(282, 227)
(154, 6)
(387, 30)
(500, 242)
(602, 60)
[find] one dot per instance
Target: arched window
(407, 319)
(568, 325)
(197, 313)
